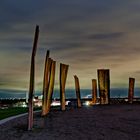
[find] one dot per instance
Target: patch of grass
(5, 113)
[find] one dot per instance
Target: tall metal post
(51, 87)
(77, 88)
(94, 91)
(63, 76)
(131, 90)
(47, 72)
(32, 73)
(104, 86)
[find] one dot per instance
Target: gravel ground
(109, 122)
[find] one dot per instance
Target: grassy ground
(5, 113)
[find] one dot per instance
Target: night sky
(86, 34)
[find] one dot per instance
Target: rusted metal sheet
(77, 88)
(47, 72)
(131, 90)
(104, 85)
(63, 77)
(107, 85)
(32, 73)
(94, 91)
(50, 88)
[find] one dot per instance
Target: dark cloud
(86, 34)
(106, 36)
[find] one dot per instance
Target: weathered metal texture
(47, 71)
(94, 91)
(32, 73)
(104, 85)
(63, 77)
(77, 88)
(51, 87)
(107, 86)
(131, 90)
